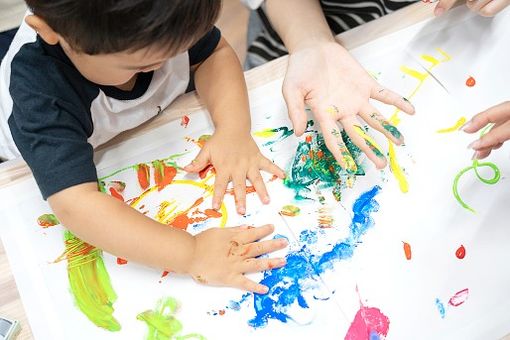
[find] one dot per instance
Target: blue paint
(277, 236)
(374, 335)
(440, 308)
(301, 273)
(236, 305)
(308, 236)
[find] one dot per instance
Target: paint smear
(284, 132)
(300, 274)
(407, 250)
(290, 210)
(459, 298)
(89, 282)
(163, 173)
(369, 323)
(440, 308)
(162, 322)
(47, 220)
(461, 252)
(470, 82)
(121, 261)
(313, 164)
(308, 237)
(143, 175)
(114, 193)
(185, 121)
(455, 127)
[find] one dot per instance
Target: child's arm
(498, 115)
(216, 256)
(232, 151)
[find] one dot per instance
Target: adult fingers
(295, 101)
(376, 120)
(493, 7)
(336, 144)
(495, 114)
(443, 6)
(495, 136)
(365, 143)
(391, 98)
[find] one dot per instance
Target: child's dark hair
(109, 26)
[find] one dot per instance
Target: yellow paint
(455, 127)
(362, 133)
(333, 111)
(446, 56)
(413, 73)
(397, 170)
(166, 212)
(430, 59)
(266, 133)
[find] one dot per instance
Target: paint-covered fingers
(335, 143)
(239, 183)
(220, 187)
(443, 6)
(492, 139)
(391, 98)
(376, 120)
(495, 114)
(262, 247)
(259, 265)
(365, 142)
(295, 101)
(199, 163)
(254, 234)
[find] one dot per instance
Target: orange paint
(308, 139)
(143, 175)
(407, 250)
(115, 194)
(249, 190)
(163, 175)
(185, 121)
(121, 261)
(212, 213)
(221, 312)
(461, 252)
(320, 154)
(182, 221)
(470, 82)
(204, 171)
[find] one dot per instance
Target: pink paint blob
(459, 298)
(368, 320)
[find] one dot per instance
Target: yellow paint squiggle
(458, 124)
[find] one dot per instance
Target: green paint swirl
(162, 323)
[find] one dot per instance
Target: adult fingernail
(474, 145)
(475, 156)
(466, 126)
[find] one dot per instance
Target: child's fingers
(199, 163)
(220, 186)
(263, 247)
(495, 136)
(259, 265)
(495, 114)
(258, 183)
(239, 183)
(271, 168)
(391, 98)
(365, 143)
(254, 234)
(443, 6)
(246, 284)
(374, 118)
(335, 143)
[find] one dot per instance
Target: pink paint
(459, 298)
(368, 322)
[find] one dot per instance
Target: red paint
(204, 171)
(308, 139)
(249, 190)
(221, 312)
(461, 252)
(121, 261)
(407, 250)
(459, 298)
(470, 82)
(164, 175)
(182, 221)
(274, 178)
(185, 121)
(320, 154)
(115, 194)
(143, 175)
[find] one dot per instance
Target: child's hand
(486, 8)
(235, 157)
(222, 256)
(499, 115)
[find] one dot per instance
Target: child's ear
(43, 29)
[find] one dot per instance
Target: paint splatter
(163, 173)
(162, 322)
(121, 261)
(185, 121)
(455, 127)
(290, 210)
(372, 144)
(461, 252)
(459, 298)
(407, 250)
(143, 173)
(470, 82)
(440, 308)
(90, 283)
(314, 164)
(369, 323)
(114, 193)
(308, 236)
(284, 132)
(300, 274)
(47, 220)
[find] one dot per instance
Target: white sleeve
(252, 4)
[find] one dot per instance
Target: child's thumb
(199, 163)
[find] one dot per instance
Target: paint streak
(440, 308)
(114, 193)
(89, 282)
(143, 174)
(249, 190)
(162, 322)
(185, 121)
(387, 125)
(301, 273)
(407, 250)
(397, 170)
(470, 82)
(457, 126)
(284, 132)
(47, 220)
(163, 174)
(324, 218)
(369, 323)
(203, 173)
(372, 144)
(307, 169)
(290, 210)
(121, 261)
(461, 252)
(459, 298)
(308, 237)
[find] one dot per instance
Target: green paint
(162, 323)
(391, 129)
(47, 220)
(308, 169)
(90, 283)
(284, 131)
(374, 149)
